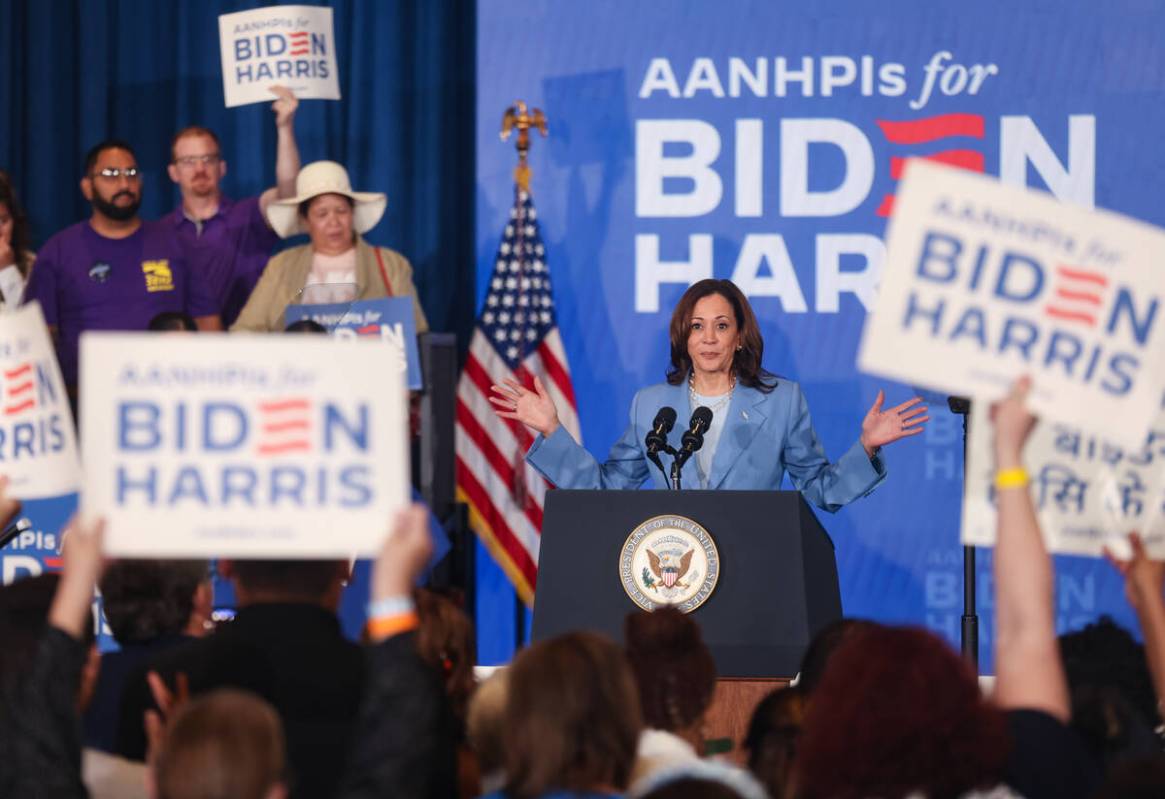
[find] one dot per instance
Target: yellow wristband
(1011, 478)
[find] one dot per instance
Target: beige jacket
(286, 273)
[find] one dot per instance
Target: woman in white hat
(338, 265)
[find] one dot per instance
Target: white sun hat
(325, 177)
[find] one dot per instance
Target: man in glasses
(112, 271)
(236, 230)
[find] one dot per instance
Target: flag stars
(504, 318)
(512, 353)
(487, 318)
(515, 266)
(509, 231)
(497, 283)
(530, 231)
(491, 300)
(515, 335)
(511, 283)
(531, 334)
(545, 317)
(508, 300)
(504, 249)
(499, 335)
(523, 300)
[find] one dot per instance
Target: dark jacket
(292, 655)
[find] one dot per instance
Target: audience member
(305, 326)
(150, 606)
(41, 668)
(337, 265)
(235, 230)
(284, 645)
(16, 256)
(573, 719)
(172, 322)
(676, 677)
(821, 648)
(227, 743)
(112, 271)
(445, 641)
(486, 729)
(1145, 591)
(1114, 709)
(771, 741)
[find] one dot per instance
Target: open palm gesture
(535, 409)
(882, 427)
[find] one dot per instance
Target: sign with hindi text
(389, 319)
(1089, 492)
(292, 46)
(38, 446)
(241, 446)
(986, 282)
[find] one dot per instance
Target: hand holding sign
(1144, 576)
(1013, 425)
(83, 564)
(404, 556)
(285, 106)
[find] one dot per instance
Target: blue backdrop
(748, 140)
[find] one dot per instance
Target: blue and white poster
(241, 446)
(763, 142)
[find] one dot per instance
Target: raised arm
(1144, 585)
(1028, 671)
(286, 148)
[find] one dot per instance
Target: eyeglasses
(113, 173)
(210, 159)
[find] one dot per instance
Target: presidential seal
(669, 560)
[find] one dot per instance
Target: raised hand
(83, 564)
(535, 409)
(882, 427)
(285, 106)
(1013, 424)
(1144, 577)
(405, 554)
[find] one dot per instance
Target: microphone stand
(969, 632)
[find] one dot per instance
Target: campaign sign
(1089, 492)
(241, 446)
(292, 46)
(38, 446)
(985, 282)
(389, 319)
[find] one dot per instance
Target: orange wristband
(387, 626)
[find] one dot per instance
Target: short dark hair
(168, 321)
(305, 206)
(305, 326)
(307, 579)
(146, 599)
(573, 716)
(194, 130)
(108, 144)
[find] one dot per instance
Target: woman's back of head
(673, 668)
(572, 715)
(897, 711)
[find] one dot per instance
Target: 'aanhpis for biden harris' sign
(241, 446)
(292, 46)
(986, 282)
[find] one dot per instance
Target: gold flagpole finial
(523, 118)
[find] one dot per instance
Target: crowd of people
(210, 260)
(279, 703)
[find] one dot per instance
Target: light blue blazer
(765, 435)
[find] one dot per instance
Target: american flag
(516, 336)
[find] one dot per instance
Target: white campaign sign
(241, 446)
(38, 445)
(1089, 493)
(986, 282)
(292, 46)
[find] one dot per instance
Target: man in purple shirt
(112, 271)
(235, 231)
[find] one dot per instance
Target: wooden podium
(777, 584)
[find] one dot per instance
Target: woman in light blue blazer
(760, 425)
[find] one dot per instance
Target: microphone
(656, 440)
(13, 530)
(693, 439)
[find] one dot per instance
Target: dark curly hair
(146, 599)
(746, 363)
(21, 239)
(899, 712)
(673, 667)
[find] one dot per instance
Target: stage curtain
(73, 73)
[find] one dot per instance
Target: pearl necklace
(715, 406)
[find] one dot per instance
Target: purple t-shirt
(240, 242)
(85, 281)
